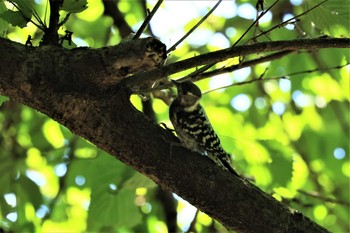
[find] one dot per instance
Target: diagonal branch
(243, 50)
(173, 47)
(147, 20)
(244, 64)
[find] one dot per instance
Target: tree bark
(87, 91)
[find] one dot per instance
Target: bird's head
(188, 94)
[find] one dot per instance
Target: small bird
(193, 127)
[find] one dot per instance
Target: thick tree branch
(243, 50)
(81, 69)
(61, 84)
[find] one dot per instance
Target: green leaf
(3, 25)
(15, 18)
(281, 165)
(138, 180)
(74, 6)
(24, 6)
(332, 17)
(53, 133)
(8, 170)
(3, 99)
(111, 205)
(90, 169)
(285, 193)
(109, 209)
(300, 173)
(30, 192)
(4, 207)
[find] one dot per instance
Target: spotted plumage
(193, 127)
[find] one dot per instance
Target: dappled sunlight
(283, 121)
(300, 173)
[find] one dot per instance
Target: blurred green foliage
(291, 135)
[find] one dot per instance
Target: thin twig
(287, 21)
(37, 17)
(64, 20)
(247, 82)
(323, 198)
(147, 20)
(249, 63)
(255, 21)
(286, 76)
(318, 69)
(194, 27)
(208, 66)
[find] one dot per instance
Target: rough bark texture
(84, 89)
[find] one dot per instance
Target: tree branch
(173, 47)
(147, 20)
(51, 33)
(82, 69)
(243, 50)
(249, 63)
(60, 84)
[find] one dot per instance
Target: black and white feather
(193, 127)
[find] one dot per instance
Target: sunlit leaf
(261, 174)
(138, 180)
(320, 212)
(34, 158)
(204, 219)
(325, 86)
(154, 223)
(300, 172)
(93, 12)
(285, 192)
(86, 152)
(53, 134)
(294, 125)
(346, 169)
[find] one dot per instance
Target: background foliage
(290, 133)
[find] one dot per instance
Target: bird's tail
(228, 166)
(223, 160)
